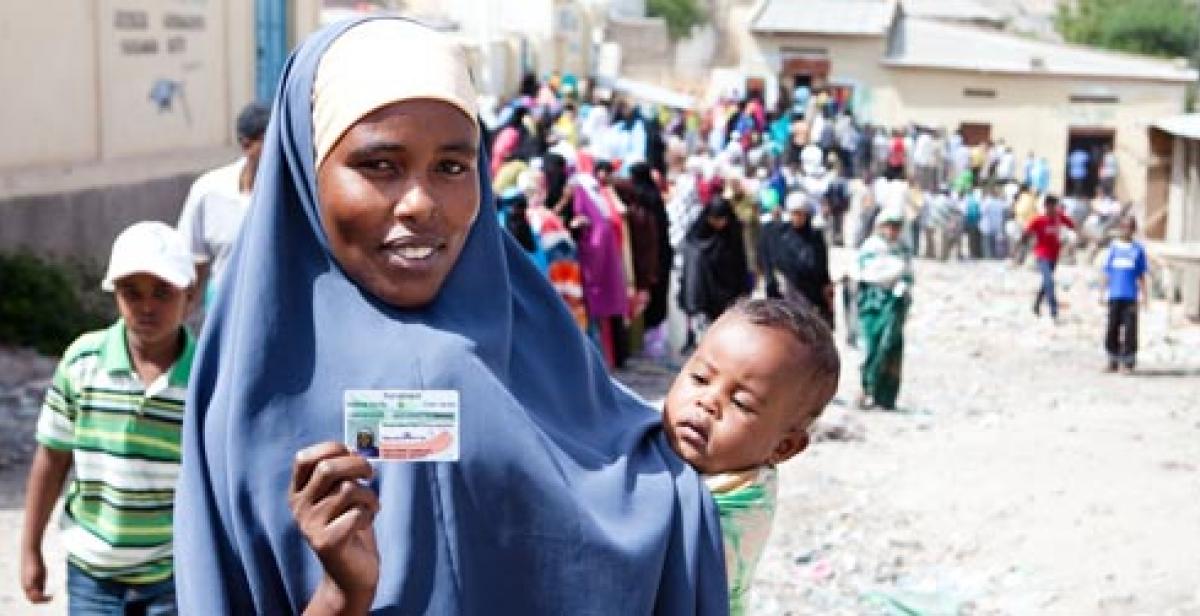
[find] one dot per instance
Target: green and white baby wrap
(746, 502)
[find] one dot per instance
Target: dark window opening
(1107, 99)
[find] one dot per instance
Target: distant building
(1173, 209)
(969, 12)
(509, 39)
(1037, 96)
(112, 108)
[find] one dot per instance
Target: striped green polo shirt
(125, 440)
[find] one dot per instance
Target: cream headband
(380, 62)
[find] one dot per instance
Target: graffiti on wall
(163, 34)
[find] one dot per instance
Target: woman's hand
(334, 512)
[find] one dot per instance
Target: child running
(742, 404)
(113, 412)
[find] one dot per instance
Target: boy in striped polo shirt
(113, 413)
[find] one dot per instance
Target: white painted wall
(78, 78)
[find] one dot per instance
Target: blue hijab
(566, 500)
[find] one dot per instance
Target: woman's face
(398, 195)
(718, 222)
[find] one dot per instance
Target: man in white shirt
(923, 160)
(1006, 166)
(1108, 173)
(217, 202)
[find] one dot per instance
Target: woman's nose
(415, 203)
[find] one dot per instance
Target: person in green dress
(884, 295)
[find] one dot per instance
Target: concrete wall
(732, 20)
(556, 33)
(854, 60)
(1034, 113)
(49, 111)
(82, 224)
(646, 51)
(86, 149)
(1183, 214)
(80, 78)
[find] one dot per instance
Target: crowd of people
(354, 248)
(649, 221)
(676, 213)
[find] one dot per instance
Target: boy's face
(742, 399)
(1125, 230)
(153, 309)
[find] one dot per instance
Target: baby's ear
(794, 442)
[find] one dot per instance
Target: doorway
(1086, 148)
(975, 133)
(756, 87)
(271, 46)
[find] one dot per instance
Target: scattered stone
(1175, 465)
(837, 424)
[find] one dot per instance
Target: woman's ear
(794, 442)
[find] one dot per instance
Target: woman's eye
(698, 379)
(452, 167)
(377, 167)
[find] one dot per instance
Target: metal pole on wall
(1190, 105)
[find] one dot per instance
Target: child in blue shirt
(1125, 272)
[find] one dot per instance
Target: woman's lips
(413, 252)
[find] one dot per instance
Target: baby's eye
(744, 406)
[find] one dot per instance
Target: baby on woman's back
(742, 404)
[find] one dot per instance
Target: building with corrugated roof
(939, 68)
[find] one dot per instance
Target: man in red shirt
(1046, 230)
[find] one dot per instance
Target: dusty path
(1019, 480)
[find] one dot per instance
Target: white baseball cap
(797, 201)
(154, 248)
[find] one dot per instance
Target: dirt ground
(1016, 479)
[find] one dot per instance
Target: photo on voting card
(402, 425)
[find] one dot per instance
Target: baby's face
(738, 401)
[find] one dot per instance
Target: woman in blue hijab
(371, 260)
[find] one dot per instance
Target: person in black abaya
(796, 259)
(715, 273)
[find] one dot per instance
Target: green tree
(1167, 28)
(681, 15)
